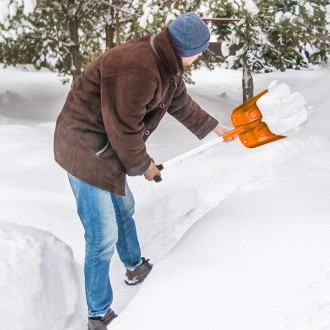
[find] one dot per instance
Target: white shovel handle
(187, 154)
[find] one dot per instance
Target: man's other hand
(151, 172)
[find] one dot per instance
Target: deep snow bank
(165, 211)
(30, 96)
(260, 260)
(39, 283)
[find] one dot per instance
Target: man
(110, 111)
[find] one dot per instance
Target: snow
(251, 7)
(149, 10)
(29, 6)
(278, 16)
(225, 51)
(327, 16)
(281, 109)
(309, 8)
(39, 280)
(238, 236)
(8, 8)
(4, 10)
(246, 265)
(12, 9)
(248, 5)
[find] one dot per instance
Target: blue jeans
(108, 222)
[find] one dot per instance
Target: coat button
(161, 105)
(146, 132)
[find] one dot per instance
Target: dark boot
(139, 273)
(101, 323)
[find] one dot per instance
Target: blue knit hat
(189, 34)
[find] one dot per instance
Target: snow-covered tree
(154, 15)
(9, 9)
(246, 33)
(273, 35)
(297, 31)
(60, 35)
(66, 35)
(119, 16)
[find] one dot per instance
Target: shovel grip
(233, 132)
(158, 178)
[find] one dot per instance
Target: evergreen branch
(81, 2)
(43, 37)
(90, 10)
(119, 9)
(128, 1)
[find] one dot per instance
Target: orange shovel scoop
(248, 126)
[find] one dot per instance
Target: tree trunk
(75, 47)
(109, 28)
(117, 29)
(109, 34)
(247, 83)
(247, 80)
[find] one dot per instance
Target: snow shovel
(251, 131)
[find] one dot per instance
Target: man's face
(188, 61)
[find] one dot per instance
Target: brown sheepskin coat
(115, 104)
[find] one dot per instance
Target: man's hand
(222, 129)
(151, 172)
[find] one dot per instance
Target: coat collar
(167, 53)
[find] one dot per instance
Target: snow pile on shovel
(39, 282)
(281, 109)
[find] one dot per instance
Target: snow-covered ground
(239, 237)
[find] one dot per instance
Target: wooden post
(247, 79)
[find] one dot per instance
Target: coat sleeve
(123, 102)
(190, 114)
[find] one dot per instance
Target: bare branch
(65, 10)
(221, 20)
(118, 8)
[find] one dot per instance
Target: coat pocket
(100, 152)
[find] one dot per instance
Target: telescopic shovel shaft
(248, 126)
(186, 155)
